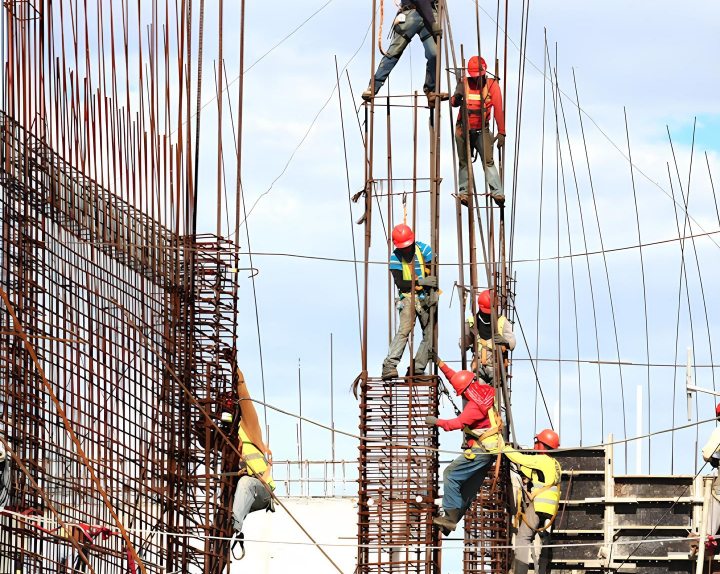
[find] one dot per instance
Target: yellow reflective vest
(544, 473)
(254, 459)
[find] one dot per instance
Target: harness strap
(521, 515)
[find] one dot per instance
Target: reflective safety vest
(485, 346)
(477, 100)
(253, 460)
(407, 266)
(490, 440)
(545, 496)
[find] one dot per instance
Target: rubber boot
(432, 95)
(449, 521)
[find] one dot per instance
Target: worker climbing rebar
(483, 97)
(410, 263)
(482, 426)
(483, 351)
(538, 499)
(414, 18)
(255, 486)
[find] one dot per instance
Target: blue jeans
(404, 32)
(462, 480)
(250, 495)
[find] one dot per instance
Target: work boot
(390, 373)
(432, 95)
(499, 198)
(462, 197)
(367, 95)
(449, 521)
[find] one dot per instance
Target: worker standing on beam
(255, 486)
(483, 97)
(483, 352)
(414, 17)
(538, 499)
(411, 261)
(482, 426)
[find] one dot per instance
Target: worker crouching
(538, 499)
(479, 420)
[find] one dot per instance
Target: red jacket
(493, 101)
(474, 415)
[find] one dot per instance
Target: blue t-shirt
(396, 264)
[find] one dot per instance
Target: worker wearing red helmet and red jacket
(411, 259)
(483, 97)
(483, 351)
(482, 426)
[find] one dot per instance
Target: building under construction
(120, 319)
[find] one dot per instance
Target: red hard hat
(461, 381)
(402, 236)
(485, 301)
(717, 410)
(475, 70)
(549, 438)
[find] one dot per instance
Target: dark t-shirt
(424, 8)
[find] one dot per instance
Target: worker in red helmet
(411, 259)
(483, 97)
(487, 338)
(414, 18)
(538, 499)
(482, 426)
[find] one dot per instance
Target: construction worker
(255, 486)
(483, 351)
(415, 17)
(484, 96)
(711, 454)
(538, 499)
(411, 259)
(481, 424)
(4, 477)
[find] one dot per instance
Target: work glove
(500, 138)
(435, 358)
(431, 421)
(429, 281)
(498, 339)
(437, 29)
(432, 298)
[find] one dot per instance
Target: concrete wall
(328, 520)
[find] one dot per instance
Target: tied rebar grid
(487, 534)
(109, 321)
(398, 478)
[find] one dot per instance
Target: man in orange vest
(483, 97)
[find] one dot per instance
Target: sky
(636, 58)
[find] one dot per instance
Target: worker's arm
(496, 99)
(509, 335)
(470, 415)
(712, 445)
(447, 371)
(458, 95)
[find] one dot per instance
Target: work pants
(524, 540)
(397, 346)
(463, 478)
(481, 141)
(250, 495)
(404, 33)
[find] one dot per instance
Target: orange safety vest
(477, 100)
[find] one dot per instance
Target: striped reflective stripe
(475, 97)
(254, 457)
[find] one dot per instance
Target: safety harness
(533, 494)
(495, 430)
(486, 345)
